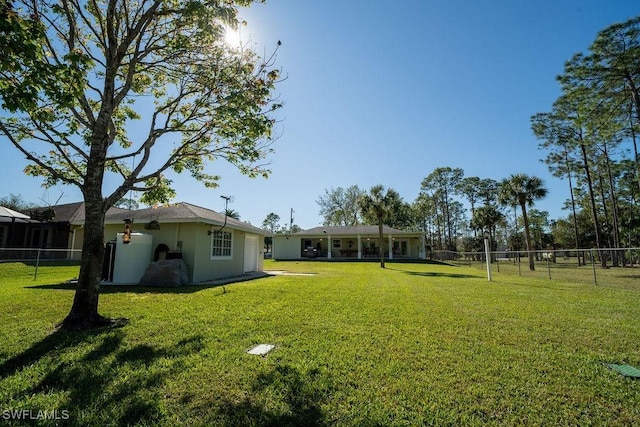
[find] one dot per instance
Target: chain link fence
(618, 267)
(40, 257)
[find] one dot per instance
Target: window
(400, 248)
(337, 243)
(221, 245)
(35, 237)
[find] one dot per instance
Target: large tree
(486, 218)
(15, 202)
(377, 206)
(141, 88)
(271, 223)
(442, 183)
(557, 134)
(339, 206)
(523, 190)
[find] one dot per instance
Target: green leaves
(107, 87)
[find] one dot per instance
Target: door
(250, 253)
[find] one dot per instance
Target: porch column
(329, 246)
(359, 248)
(73, 245)
(390, 247)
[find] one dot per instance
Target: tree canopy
(125, 92)
(339, 206)
(377, 206)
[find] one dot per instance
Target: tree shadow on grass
(437, 274)
(108, 384)
(55, 342)
(134, 289)
(137, 289)
(293, 398)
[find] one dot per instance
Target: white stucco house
(211, 245)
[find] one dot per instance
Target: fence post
(548, 265)
(487, 255)
(593, 266)
(35, 274)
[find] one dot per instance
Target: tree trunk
(84, 311)
(380, 234)
(614, 212)
(447, 220)
(635, 147)
(594, 211)
(527, 234)
(573, 208)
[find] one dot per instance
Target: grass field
(413, 344)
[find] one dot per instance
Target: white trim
(222, 248)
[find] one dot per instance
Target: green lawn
(413, 344)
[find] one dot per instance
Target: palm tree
(377, 206)
(232, 213)
(522, 190)
(486, 218)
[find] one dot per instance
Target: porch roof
(364, 230)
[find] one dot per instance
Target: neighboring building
(66, 230)
(361, 242)
(12, 223)
(211, 245)
(60, 228)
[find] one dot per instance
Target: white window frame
(337, 243)
(221, 245)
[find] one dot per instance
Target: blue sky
(384, 92)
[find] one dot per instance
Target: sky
(384, 92)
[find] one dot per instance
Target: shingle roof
(179, 212)
(74, 212)
(342, 230)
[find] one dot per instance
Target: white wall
(284, 248)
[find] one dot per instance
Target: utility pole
(291, 221)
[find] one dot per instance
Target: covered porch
(349, 243)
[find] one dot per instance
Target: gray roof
(179, 212)
(352, 231)
(10, 213)
(73, 212)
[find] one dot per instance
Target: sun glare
(233, 37)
